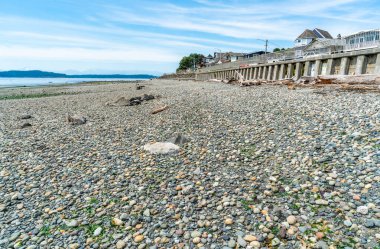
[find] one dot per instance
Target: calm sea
(24, 82)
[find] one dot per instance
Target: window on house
(377, 36)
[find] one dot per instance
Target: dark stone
(134, 101)
(283, 232)
(25, 125)
(148, 97)
(25, 116)
(369, 223)
(179, 139)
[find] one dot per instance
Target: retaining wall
(352, 63)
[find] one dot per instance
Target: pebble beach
(261, 167)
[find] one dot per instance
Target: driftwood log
(155, 111)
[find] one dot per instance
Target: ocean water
(28, 82)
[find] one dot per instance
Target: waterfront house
(231, 56)
(320, 46)
(208, 60)
(254, 54)
(307, 37)
(362, 40)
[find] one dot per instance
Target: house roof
(235, 54)
(307, 34)
(361, 32)
(315, 33)
(322, 33)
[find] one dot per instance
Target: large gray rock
(76, 120)
(161, 148)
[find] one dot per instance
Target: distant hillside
(42, 74)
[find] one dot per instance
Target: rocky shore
(261, 167)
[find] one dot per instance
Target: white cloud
(75, 54)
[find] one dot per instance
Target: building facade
(362, 40)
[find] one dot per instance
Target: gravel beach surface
(260, 167)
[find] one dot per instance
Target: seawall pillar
(317, 70)
(255, 72)
(260, 72)
(377, 67)
(297, 73)
(329, 66)
(360, 65)
(289, 74)
(275, 72)
(307, 68)
(270, 71)
(264, 72)
(343, 66)
(282, 72)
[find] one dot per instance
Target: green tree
(276, 50)
(189, 61)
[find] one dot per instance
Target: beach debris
(158, 110)
(161, 148)
(291, 86)
(179, 139)
(139, 87)
(135, 101)
(25, 116)
(348, 87)
(76, 120)
(148, 97)
(25, 125)
(122, 101)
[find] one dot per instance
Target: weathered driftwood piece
(214, 80)
(291, 86)
(306, 80)
(159, 109)
(239, 76)
(368, 79)
(348, 87)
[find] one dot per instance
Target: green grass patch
(247, 203)
(248, 151)
(34, 95)
(45, 230)
(93, 201)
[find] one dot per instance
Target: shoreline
(73, 83)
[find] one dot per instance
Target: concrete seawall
(350, 63)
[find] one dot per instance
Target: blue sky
(115, 36)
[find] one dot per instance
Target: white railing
(362, 45)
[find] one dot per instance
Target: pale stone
(139, 238)
(291, 220)
(117, 222)
(250, 238)
(120, 244)
(161, 148)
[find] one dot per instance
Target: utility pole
(266, 44)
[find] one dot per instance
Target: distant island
(42, 74)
